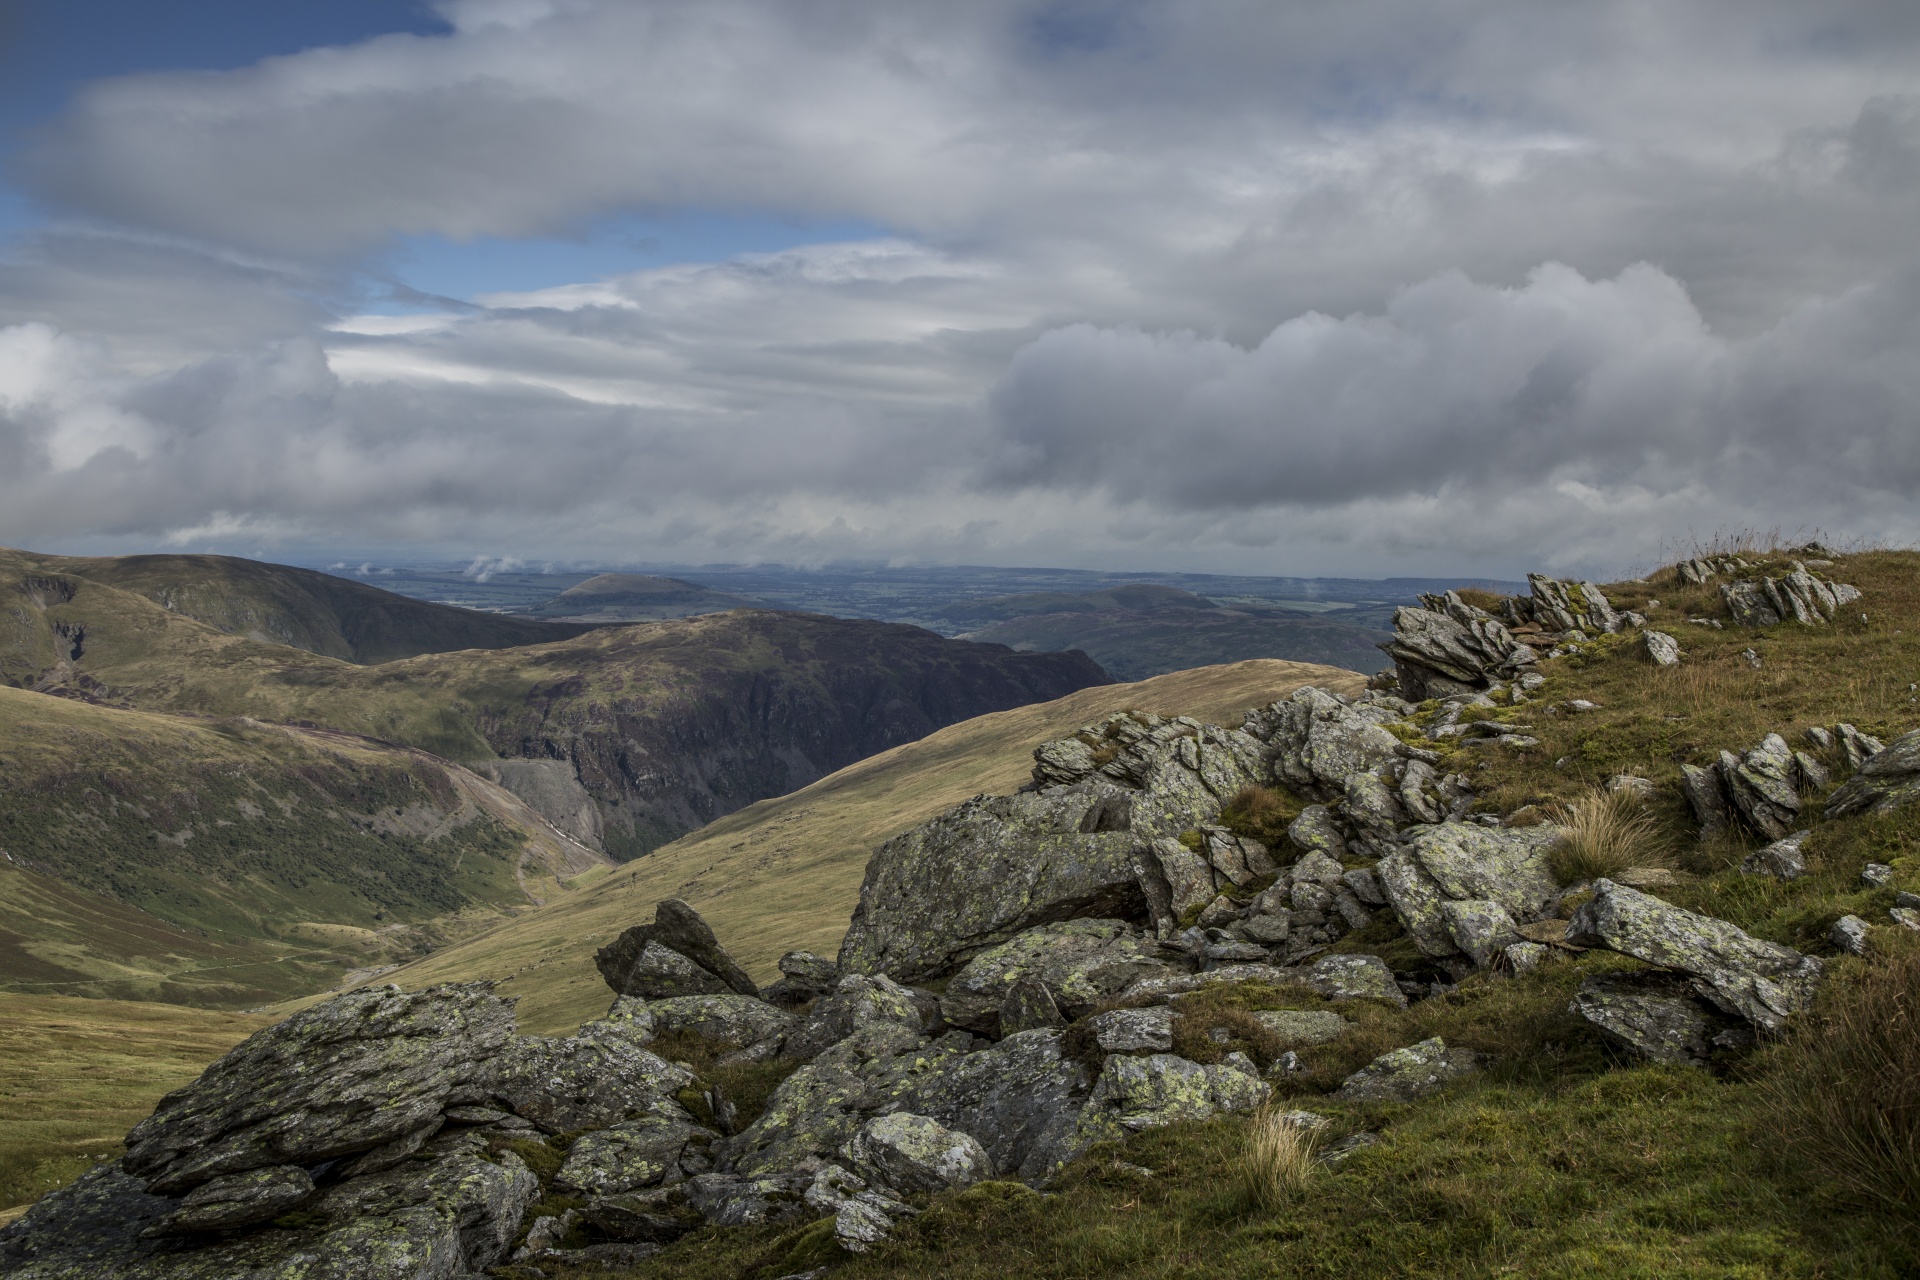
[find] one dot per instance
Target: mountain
(634, 597)
(785, 872)
(626, 737)
(280, 604)
(227, 861)
(1171, 630)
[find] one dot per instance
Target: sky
(1371, 287)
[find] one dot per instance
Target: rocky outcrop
(1079, 962)
(676, 955)
(917, 1154)
(1759, 789)
(1888, 779)
(1799, 595)
(1410, 1073)
(1762, 982)
(1451, 647)
(1461, 889)
(1657, 1015)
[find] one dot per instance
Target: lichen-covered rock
(1316, 740)
(938, 895)
(914, 1154)
(629, 1156)
(629, 1018)
(1888, 779)
(1129, 1030)
(1080, 962)
(1570, 606)
(1782, 859)
(1406, 1074)
(1349, 977)
(1300, 1028)
(817, 1109)
(729, 1200)
(1480, 927)
(346, 1076)
(1315, 831)
(1763, 982)
(1654, 1013)
(680, 929)
(238, 1200)
(1849, 933)
(1706, 796)
(732, 1021)
(1438, 654)
(1761, 786)
(804, 976)
(860, 1002)
(658, 1216)
(1461, 863)
(568, 1083)
(1020, 1099)
(647, 969)
(1134, 1094)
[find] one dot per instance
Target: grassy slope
(785, 873)
(304, 608)
(76, 1074)
(233, 862)
(1566, 1158)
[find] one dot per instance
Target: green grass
(76, 1074)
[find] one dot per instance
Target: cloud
(1354, 287)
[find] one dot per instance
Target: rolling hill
(785, 872)
(634, 597)
(624, 736)
(281, 604)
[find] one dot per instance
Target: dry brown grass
(1604, 833)
(1848, 1080)
(1276, 1164)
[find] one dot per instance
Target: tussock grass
(1261, 813)
(1604, 833)
(1848, 1080)
(1277, 1162)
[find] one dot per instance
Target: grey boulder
(633, 966)
(1887, 780)
(1413, 1072)
(1654, 1013)
(568, 1083)
(913, 1154)
(1079, 962)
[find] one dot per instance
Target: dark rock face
(1654, 1013)
(768, 703)
(1888, 779)
(344, 1077)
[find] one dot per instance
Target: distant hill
(786, 872)
(1135, 643)
(626, 737)
(634, 597)
(227, 862)
(304, 608)
(1138, 595)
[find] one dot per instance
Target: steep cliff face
(758, 704)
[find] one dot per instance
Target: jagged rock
(628, 965)
(1662, 649)
(1748, 605)
(938, 895)
(629, 1156)
(1406, 1074)
(1654, 1013)
(1299, 1028)
(1028, 1005)
(238, 1200)
(1570, 606)
(1134, 1094)
(628, 1018)
(1763, 982)
(1812, 775)
(1080, 962)
(1349, 977)
(659, 1216)
(1021, 1100)
(571, 1083)
(1706, 796)
(1760, 787)
(1365, 886)
(449, 1212)
(913, 1154)
(804, 976)
(730, 1200)
(1481, 928)
(1150, 774)
(1800, 595)
(860, 1002)
(1314, 831)
(1858, 747)
(1849, 933)
(1525, 957)
(1129, 1030)
(732, 1021)
(1782, 859)
(1461, 649)
(1458, 862)
(1316, 740)
(1877, 874)
(1888, 779)
(649, 970)
(1905, 917)
(342, 1077)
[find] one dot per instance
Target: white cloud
(1354, 286)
